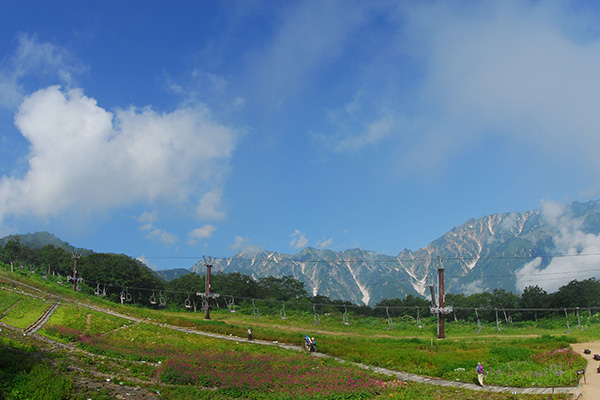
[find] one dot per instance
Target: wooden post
(207, 288)
(441, 315)
(75, 256)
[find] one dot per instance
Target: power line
(391, 258)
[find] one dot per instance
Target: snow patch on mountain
(365, 293)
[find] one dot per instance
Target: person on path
(249, 334)
(480, 373)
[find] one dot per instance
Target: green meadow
(162, 352)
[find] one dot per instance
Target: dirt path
(589, 388)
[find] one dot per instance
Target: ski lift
(345, 316)
(255, 310)
(153, 298)
(230, 304)
(389, 319)
(497, 321)
(187, 302)
(419, 319)
(161, 300)
(97, 290)
(282, 311)
(579, 320)
(316, 316)
(507, 318)
(568, 327)
(478, 322)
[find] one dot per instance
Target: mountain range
(548, 247)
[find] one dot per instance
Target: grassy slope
(405, 347)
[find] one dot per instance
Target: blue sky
(172, 130)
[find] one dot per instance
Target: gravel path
(589, 388)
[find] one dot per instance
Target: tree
(13, 250)
(577, 294)
(183, 289)
(56, 259)
(282, 289)
(234, 284)
(534, 297)
(119, 273)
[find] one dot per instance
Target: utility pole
(209, 265)
(75, 256)
(441, 334)
(440, 309)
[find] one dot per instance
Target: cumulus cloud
(86, 159)
(299, 240)
(201, 233)
(573, 247)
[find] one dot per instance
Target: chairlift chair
(282, 311)
(497, 321)
(389, 319)
(231, 304)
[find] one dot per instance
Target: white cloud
(522, 71)
(162, 236)
(240, 243)
(148, 217)
(309, 36)
(323, 244)
(209, 204)
(146, 262)
(373, 134)
(575, 248)
(85, 159)
(245, 247)
(299, 240)
(201, 233)
(32, 57)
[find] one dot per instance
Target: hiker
(310, 344)
(249, 334)
(480, 372)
